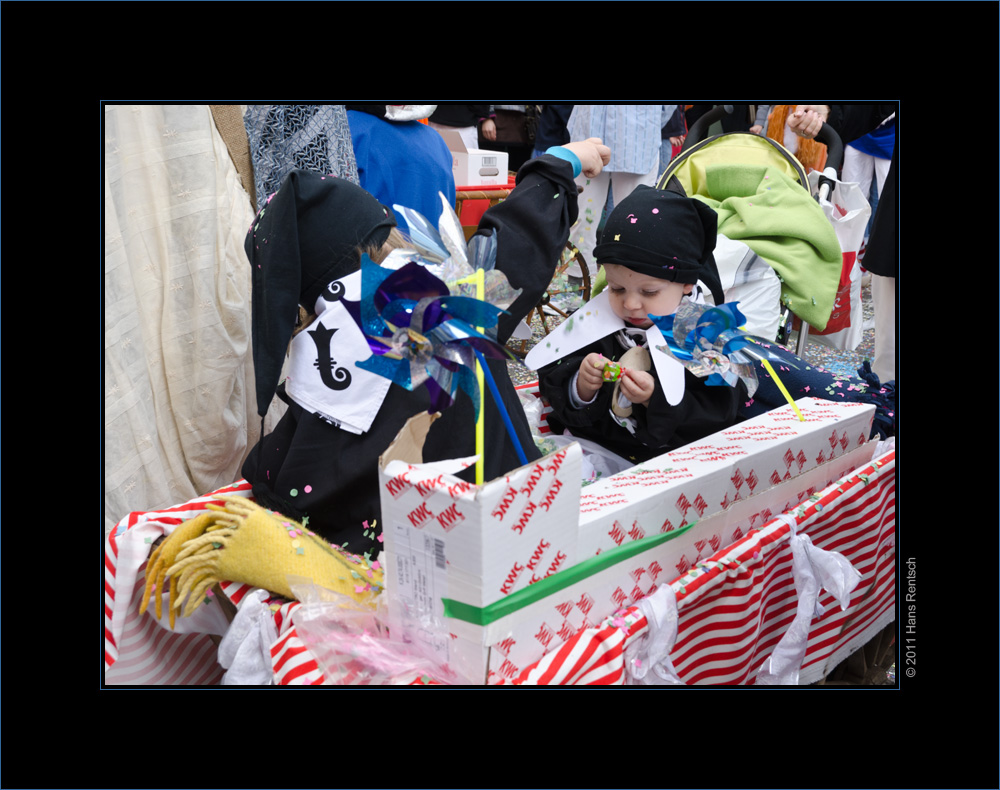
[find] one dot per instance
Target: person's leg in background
(884, 304)
(859, 169)
(666, 155)
(595, 197)
(592, 199)
(623, 184)
(881, 170)
(596, 210)
(868, 172)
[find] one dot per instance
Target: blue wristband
(564, 153)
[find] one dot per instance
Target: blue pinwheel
(446, 251)
(436, 331)
(421, 334)
(707, 340)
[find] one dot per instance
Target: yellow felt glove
(246, 543)
(164, 556)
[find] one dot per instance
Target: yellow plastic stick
(481, 420)
(479, 278)
(781, 387)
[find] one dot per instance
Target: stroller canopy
(762, 199)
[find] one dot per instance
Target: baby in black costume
(657, 245)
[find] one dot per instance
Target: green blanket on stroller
(778, 219)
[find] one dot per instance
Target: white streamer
(653, 650)
(245, 651)
(813, 568)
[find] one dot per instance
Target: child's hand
(591, 376)
(592, 153)
(637, 386)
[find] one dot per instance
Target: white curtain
(180, 413)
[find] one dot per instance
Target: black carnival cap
(663, 234)
(305, 236)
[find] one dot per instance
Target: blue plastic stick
(503, 411)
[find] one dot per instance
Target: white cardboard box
(475, 167)
(706, 477)
(464, 563)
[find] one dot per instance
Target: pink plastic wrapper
(352, 645)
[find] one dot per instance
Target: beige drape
(179, 405)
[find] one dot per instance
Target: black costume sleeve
(852, 121)
(704, 410)
(532, 227)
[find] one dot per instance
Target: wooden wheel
(867, 666)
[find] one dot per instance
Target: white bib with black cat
(322, 375)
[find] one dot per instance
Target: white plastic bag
(750, 281)
(848, 211)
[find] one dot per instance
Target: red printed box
(449, 540)
(595, 588)
(710, 476)
(490, 578)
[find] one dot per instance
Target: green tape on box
(556, 582)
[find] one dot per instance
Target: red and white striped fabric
(528, 391)
(138, 650)
(734, 607)
(293, 664)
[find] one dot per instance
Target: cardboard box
(616, 579)
(475, 167)
(489, 578)
(707, 477)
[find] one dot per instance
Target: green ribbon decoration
(556, 582)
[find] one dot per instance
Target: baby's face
(634, 296)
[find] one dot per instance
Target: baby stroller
(785, 246)
(780, 252)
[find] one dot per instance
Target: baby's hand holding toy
(590, 376)
(637, 386)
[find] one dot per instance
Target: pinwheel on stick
(458, 262)
(421, 334)
(436, 332)
(707, 340)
